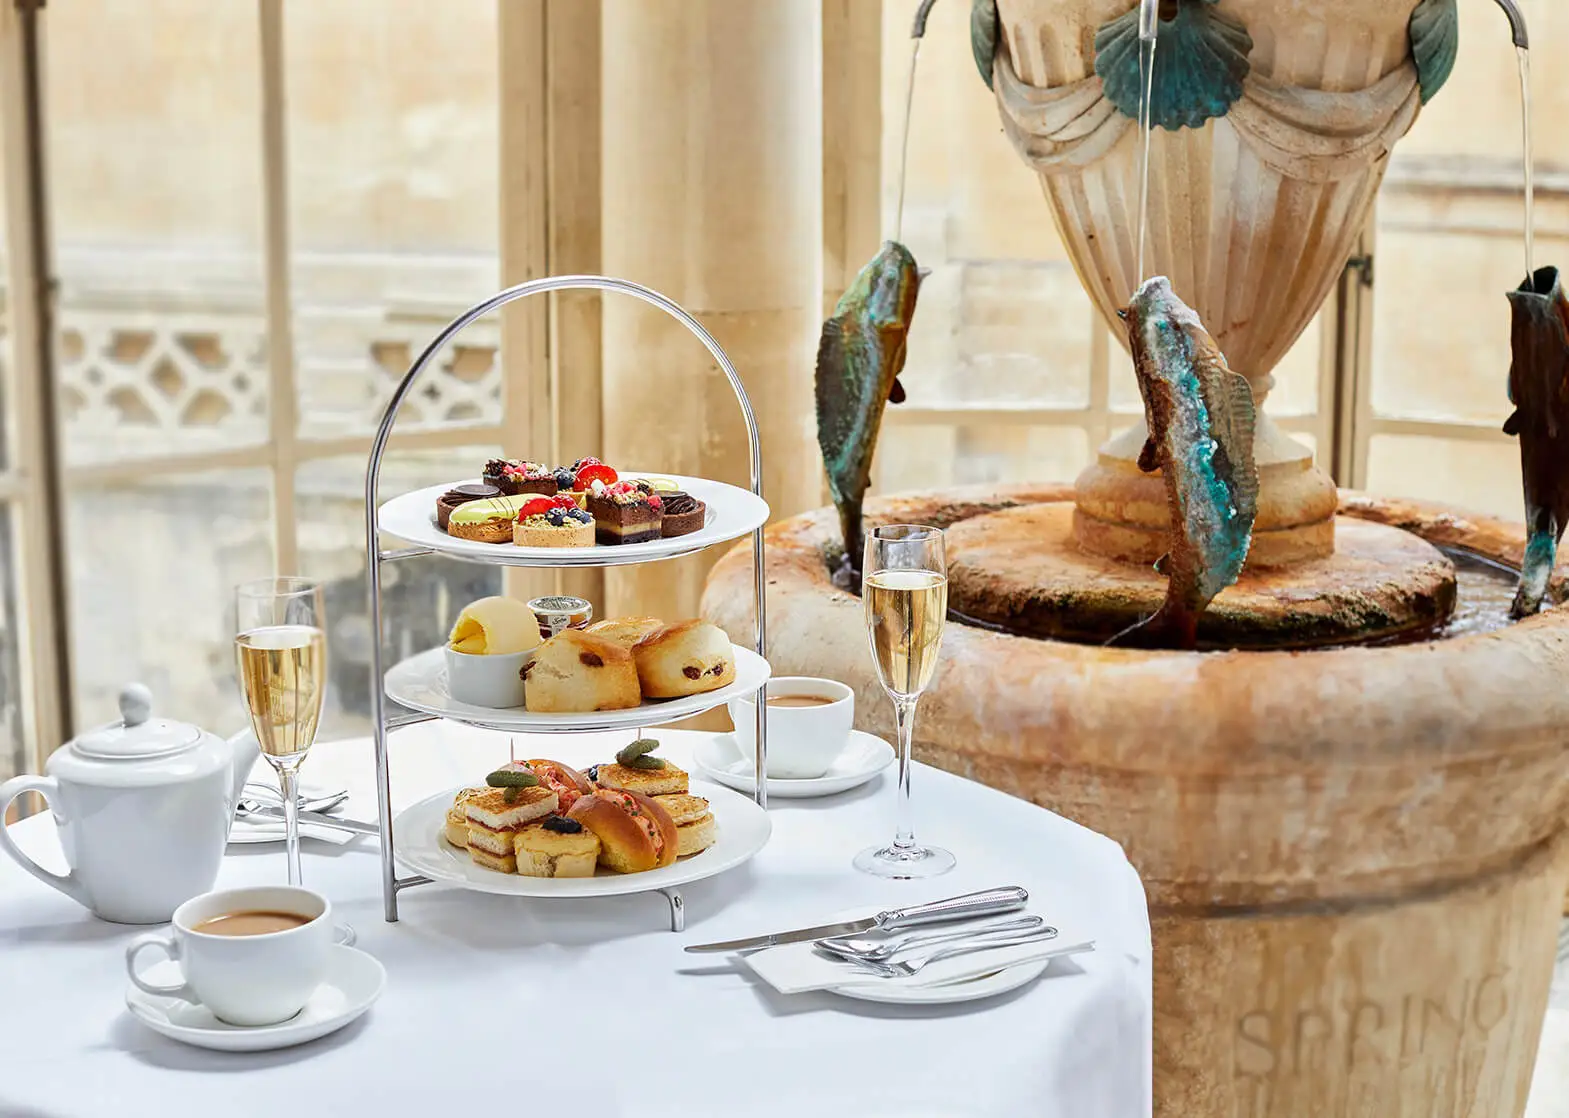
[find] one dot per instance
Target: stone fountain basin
(1233, 779)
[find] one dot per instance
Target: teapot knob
(136, 704)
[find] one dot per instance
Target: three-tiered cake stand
(417, 682)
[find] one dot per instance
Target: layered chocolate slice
(513, 476)
(625, 514)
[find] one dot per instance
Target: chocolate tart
(682, 514)
(460, 495)
(513, 476)
(625, 514)
(556, 528)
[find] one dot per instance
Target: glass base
(904, 862)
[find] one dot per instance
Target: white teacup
(803, 741)
(494, 680)
(246, 979)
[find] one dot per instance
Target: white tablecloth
(503, 1005)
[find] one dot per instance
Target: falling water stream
(1146, 94)
(1530, 185)
(904, 139)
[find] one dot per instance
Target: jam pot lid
(137, 736)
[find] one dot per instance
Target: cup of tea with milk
(809, 724)
(251, 956)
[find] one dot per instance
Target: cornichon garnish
(635, 756)
(511, 778)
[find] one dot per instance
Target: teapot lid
(138, 735)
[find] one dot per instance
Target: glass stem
(288, 785)
(904, 720)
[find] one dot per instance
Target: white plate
(743, 831)
(967, 990)
(718, 756)
(354, 981)
(420, 682)
(732, 512)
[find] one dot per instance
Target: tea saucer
(354, 981)
(864, 756)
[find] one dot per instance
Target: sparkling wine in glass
(281, 650)
(904, 590)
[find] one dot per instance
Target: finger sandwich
(695, 826)
(667, 780)
(495, 815)
(456, 830)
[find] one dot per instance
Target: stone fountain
(1355, 855)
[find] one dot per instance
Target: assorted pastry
(530, 504)
(541, 818)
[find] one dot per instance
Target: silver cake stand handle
(391, 883)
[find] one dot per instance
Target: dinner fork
(908, 967)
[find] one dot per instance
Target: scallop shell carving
(1201, 60)
(983, 36)
(1435, 43)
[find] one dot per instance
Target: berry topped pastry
(553, 522)
(513, 476)
(623, 513)
(587, 471)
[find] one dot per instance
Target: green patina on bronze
(1435, 43)
(983, 37)
(1201, 60)
(1201, 418)
(859, 359)
(1539, 390)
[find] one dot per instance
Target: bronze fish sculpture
(859, 358)
(1539, 390)
(1200, 417)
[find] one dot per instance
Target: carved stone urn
(1272, 127)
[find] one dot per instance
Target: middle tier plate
(420, 683)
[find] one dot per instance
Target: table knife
(991, 902)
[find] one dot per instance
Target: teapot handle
(47, 787)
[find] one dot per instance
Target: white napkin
(262, 828)
(796, 968)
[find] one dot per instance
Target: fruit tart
(553, 522)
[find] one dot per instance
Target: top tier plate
(732, 513)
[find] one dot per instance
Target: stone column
(711, 178)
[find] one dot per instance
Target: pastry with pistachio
(487, 520)
(636, 769)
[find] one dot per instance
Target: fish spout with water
(859, 359)
(1539, 390)
(1200, 417)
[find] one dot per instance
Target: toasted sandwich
(665, 781)
(695, 826)
(492, 821)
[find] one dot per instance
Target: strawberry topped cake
(553, 522)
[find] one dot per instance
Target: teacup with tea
(809, 724)
(252, 956)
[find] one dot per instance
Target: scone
(625, 631)
(456, 830)
(573, 672)
(686, 658)
(556, 847)
(665, 781)
(695, 826)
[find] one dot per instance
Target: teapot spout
(243, 749)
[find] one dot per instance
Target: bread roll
(687, 658)
(574, 672)
(635, 833)
(625, 631)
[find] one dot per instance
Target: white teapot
(143, 808)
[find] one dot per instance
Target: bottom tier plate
(743, 831)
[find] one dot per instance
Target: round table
(506, 1001)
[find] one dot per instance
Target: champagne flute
(281, 650)
(905, 592)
